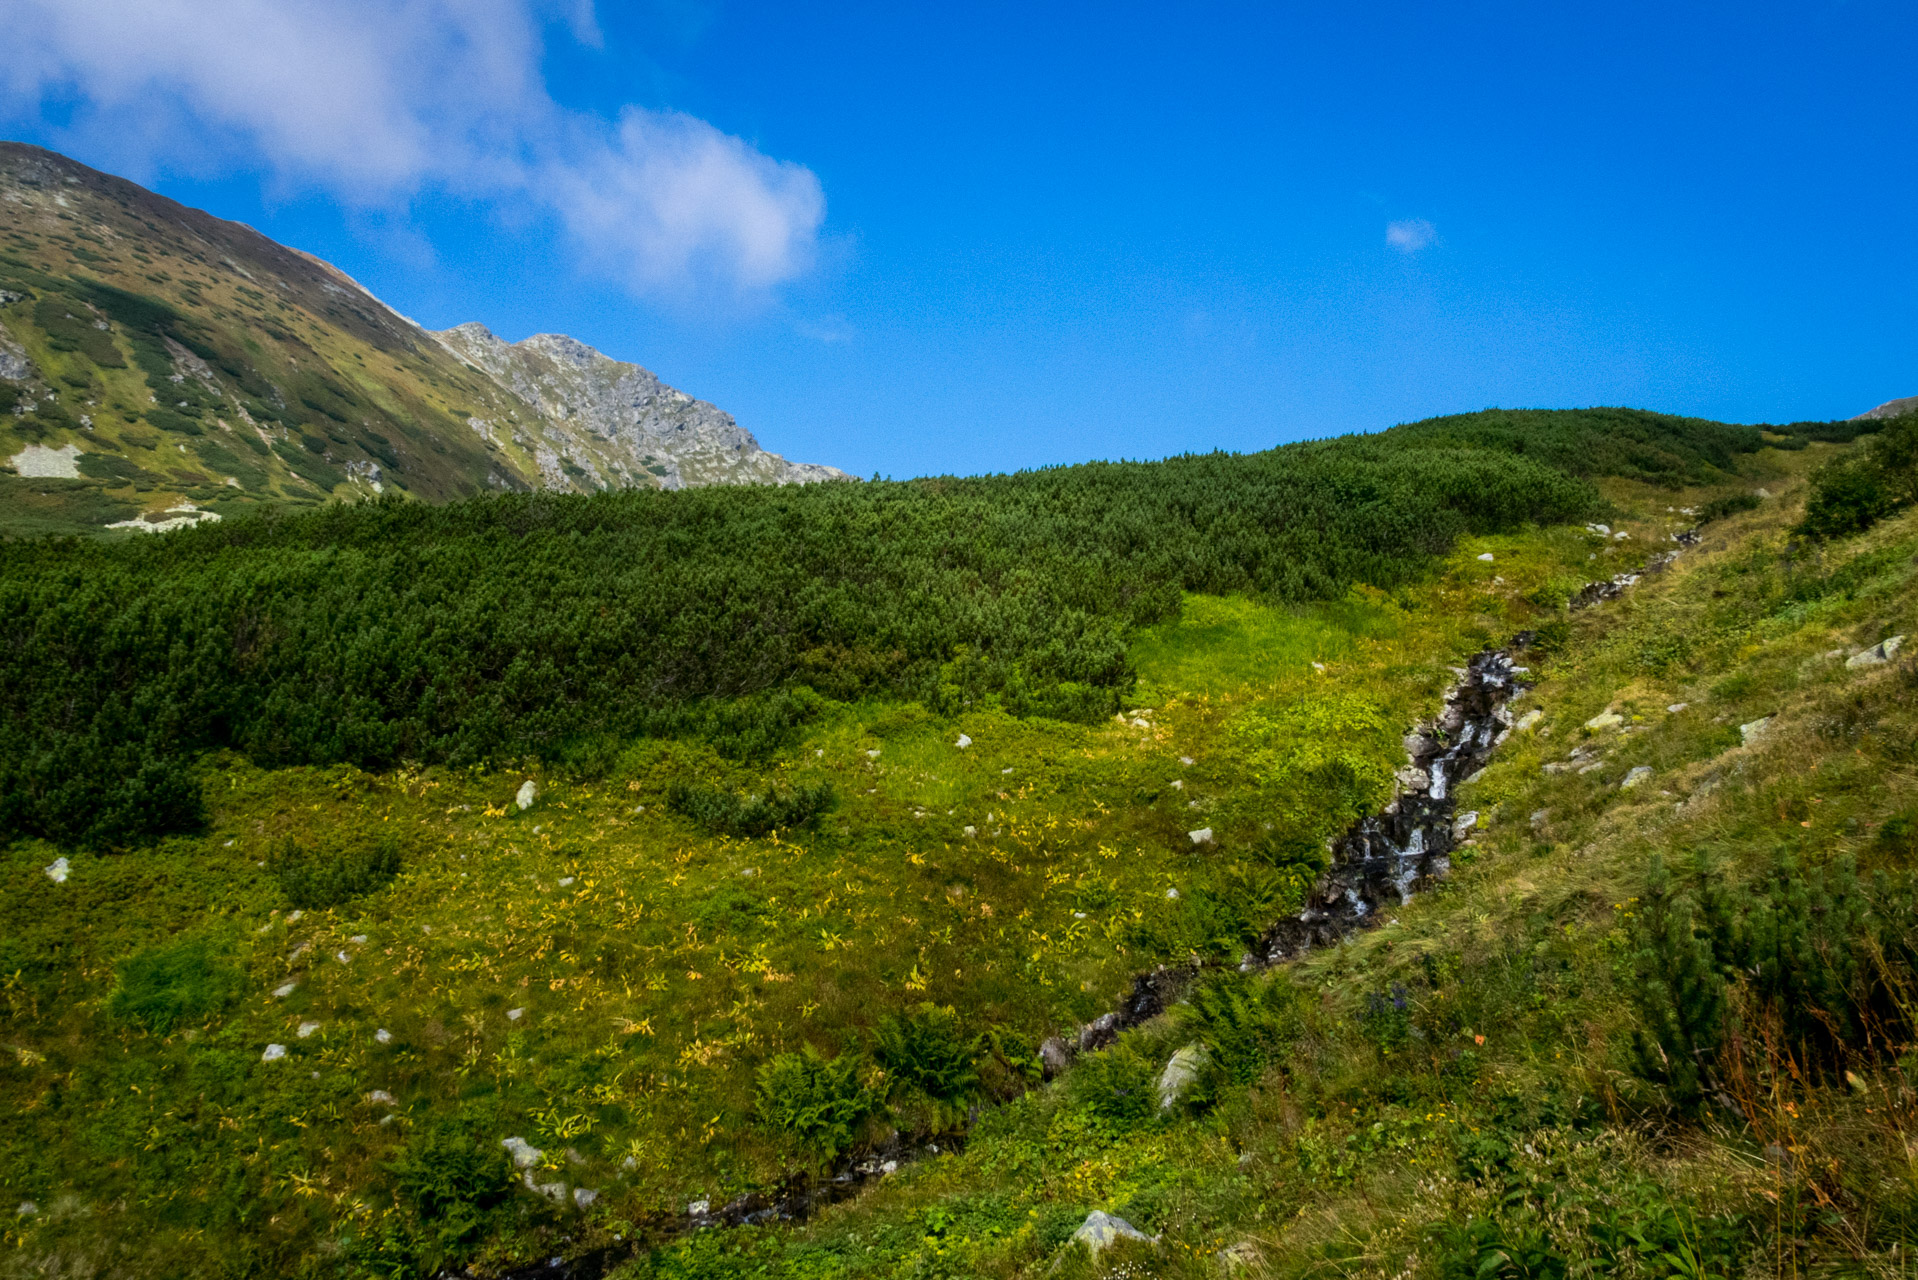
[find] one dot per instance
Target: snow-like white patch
(183, 516)
(42, 463)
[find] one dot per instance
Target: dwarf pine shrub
(727, 813)
(330, 873)
(1852, 493)
(1810, 962)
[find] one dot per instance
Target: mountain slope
(158, 361)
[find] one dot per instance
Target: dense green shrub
(1116, 1090)
(724, 812)
(1729, 505)
(817, 1101)
(1659, 447)
(455, 1183)
(523, 624)
(173, 983)
(1851, 493)
(315, 876)
(1810, 961)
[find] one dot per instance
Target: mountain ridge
(160, 365)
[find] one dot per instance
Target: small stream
(1376, 866)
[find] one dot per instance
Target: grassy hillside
(732, 942)
(1542, 1069)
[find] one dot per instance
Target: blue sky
(911, 240)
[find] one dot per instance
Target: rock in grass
(1636, 775)
(1054, 1057)
(1236, 1258)
(1101, 1230)
(1180, 1073)
(1877, 655)
(584, 1196)
(57, 870)
(285, 989)
(525, 1154)
(1486, 557)
(308, 1028)
(274, 1052)
(1754, 730)
(1605, 720)
(528, 793)
(1202, 836)
(383, 1036)
(963, 742)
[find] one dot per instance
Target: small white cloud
(1410, 235)
(376, 101)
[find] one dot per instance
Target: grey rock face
(1890, 409)
(1180, 1072)
(1101, 1230)
(598, 423)
(1878, 655)
(14, 365)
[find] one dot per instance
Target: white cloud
(1410, 235)
(379, 100)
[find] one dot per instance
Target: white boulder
(1101, 1230)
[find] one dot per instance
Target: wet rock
(528, 795)
(1099, 1033)
(1463, 825)
(1879, 654)
(1180, 1073)
(1101, 1231)
(1387, 857)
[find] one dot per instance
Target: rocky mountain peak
(638, 429)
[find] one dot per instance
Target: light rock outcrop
(1890, 409)
(615, 425)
